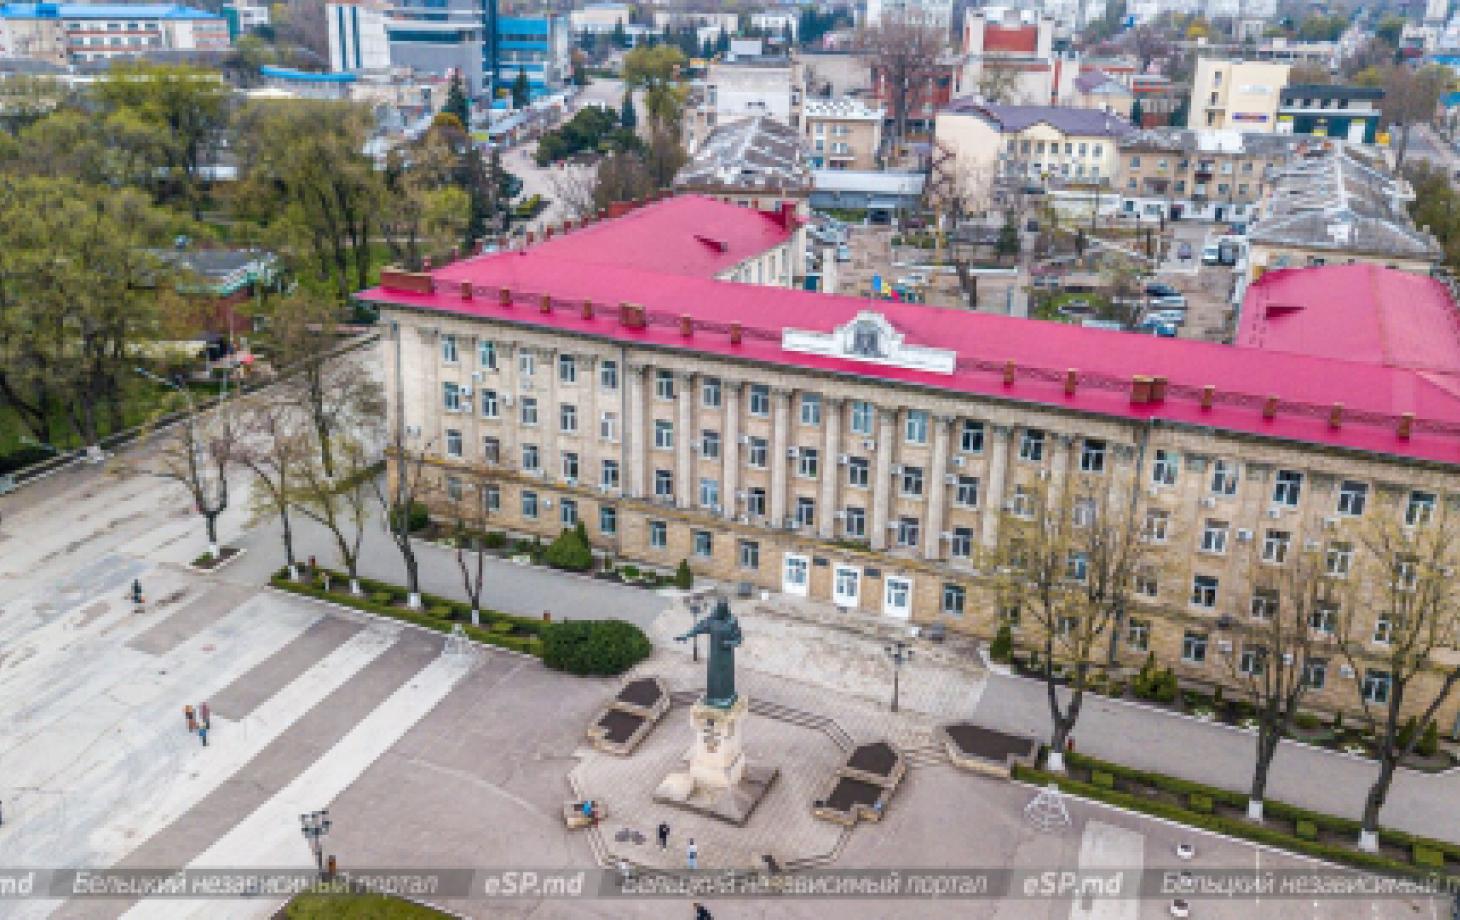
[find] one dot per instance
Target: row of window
(1072, 149)
(1225, 168)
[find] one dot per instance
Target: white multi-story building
(358, 38)
(936, 13)
(71, 33)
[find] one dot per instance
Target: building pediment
(869, 337)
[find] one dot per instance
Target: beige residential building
(867, 455)
(1180, 174)
(1031, 143)
(1240, 95)
(842, 133)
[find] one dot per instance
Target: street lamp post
(315, 825)
(900, 655)
(694, 617)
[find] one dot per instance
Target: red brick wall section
(400, 280)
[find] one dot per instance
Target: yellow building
(1240, 95)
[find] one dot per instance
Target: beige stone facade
(864, 492)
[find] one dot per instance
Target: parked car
(1183, 250)
(1211, 254)
(1163, 330)
(1168, 317)
(844, 253)
(1161, 289)
(1169, 302)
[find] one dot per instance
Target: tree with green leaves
(521, 91)
(627, 116)
(186, 107)
(82, 285)
(305, 177)
(456, 101)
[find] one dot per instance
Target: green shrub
(629, 572)
(1429, 742)
(500, 626)
(1428, 858)
(1306, 830)
(383, 598)
(1002, 648)
(525, 547)
(440, 611)
(684, 579)
(1202, 804)
(603, 647)
(494, 540)
(1306, 721)
(570, 551)
(416, 518)
(1102, 779)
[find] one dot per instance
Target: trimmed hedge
(1200, 803)
(596, 647)
(1102, 779)
(522, 635)
(1306, 829)
(1186, 790)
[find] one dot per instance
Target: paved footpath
(1218, 755)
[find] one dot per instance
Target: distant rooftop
(1011, 119)
(102, 11)
(750, 153)
(1332, 197)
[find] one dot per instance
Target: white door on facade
(846, 586)
(795, 575)
(1356, 131)
(897, 598)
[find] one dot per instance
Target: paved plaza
(431, 759)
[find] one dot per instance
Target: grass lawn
(1048, 308)
(144, 399)
(356, 907)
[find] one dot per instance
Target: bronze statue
(724, 633)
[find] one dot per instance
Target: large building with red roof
(870, 453)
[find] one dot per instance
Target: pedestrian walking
(203, 734)
(136, 591)
(190, 717)
(702, 912)
(626, 873)
(693, 855)
(663, 835)
(203, 713)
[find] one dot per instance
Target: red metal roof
(1283, 394)
(682, 235)
(1017, 40)
(1359, 312)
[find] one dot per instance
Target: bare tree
(273, 445)
(1406, 583)
(398, 494)
(341, 503)
(1410, 96)
(905, 54)
(335, 390)
(199, 452)
(1067, 558)
(573, 188)
(999, 83)
(1294, 601)
(470, 508)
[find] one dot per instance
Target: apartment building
(1177, 173)
(1016, 47)
(1032, 142)
(764, 88)
(842, 133)
(75, 33)
(867, 455)
(1240, 95)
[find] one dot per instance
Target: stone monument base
(718, 780)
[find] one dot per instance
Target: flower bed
(1284, 826)
(519, 634)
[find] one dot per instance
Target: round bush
(594, 647)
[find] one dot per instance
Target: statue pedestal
(719, 781)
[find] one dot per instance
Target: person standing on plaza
(204, 715)
(203, 734)
(663, 835)
(191, 719)
(693, 855)
(702, 912)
